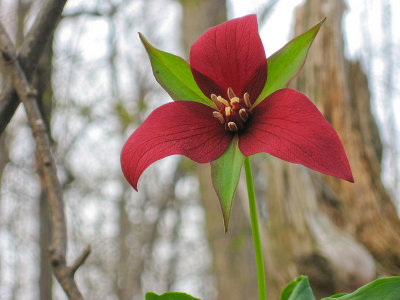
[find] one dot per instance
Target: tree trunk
(339, 234)
(233, 254)
(45, 277)
(345, 100)
(42, 83)
(42, 79)
(126, 283)
(198, 16)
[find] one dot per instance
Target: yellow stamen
(223, 101)
(234, 99)
(227, 111)
(219, 116)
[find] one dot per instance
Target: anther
(234, 99)
(228, 111)
(232, 126)
(230, 93)
(223, 101)
(214, 99)
(219, 116)
(243, 114)
(246, 99)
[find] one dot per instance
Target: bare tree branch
(80, 13)
(58, 248)
(81, 259)
(29, 54)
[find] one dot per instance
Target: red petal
(289, 126)
(186, 128)
(230, 55)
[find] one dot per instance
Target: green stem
(262, 291)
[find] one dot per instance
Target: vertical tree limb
(58, 248)
(29, 54)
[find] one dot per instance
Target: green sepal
(174, 75)
(225, 173)
(382, 288)
(298, 289)
(287, 62)
(170, 296)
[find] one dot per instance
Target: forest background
(95, 87)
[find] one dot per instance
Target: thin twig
(58, 245)
(80, 13)
(29, 54)
(81, 259)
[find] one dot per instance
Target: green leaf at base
(174, 75)
(225, 173)
(337, 295)
(287, 62)
(383, 288)
(170, 296)
(298, 289)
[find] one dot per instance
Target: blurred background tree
(96, 87)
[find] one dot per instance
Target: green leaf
(170, 296)
(174, 75)
(337, 295)
(225, 173)
(298, 289)
(287, 62)
(383, 288)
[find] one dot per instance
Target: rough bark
(341, 235)
(344, 97)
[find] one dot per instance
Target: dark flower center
(232, 113)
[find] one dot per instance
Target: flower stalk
(262, 291)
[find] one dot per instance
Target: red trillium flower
(229, 65)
